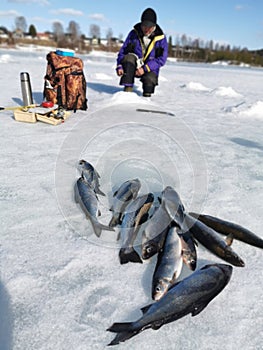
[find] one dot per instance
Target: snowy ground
(61, 287)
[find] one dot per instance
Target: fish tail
(115, 220)
(129, 255)
(98, 191)
(124, 332)
(98, 227)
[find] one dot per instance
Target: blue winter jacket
(157, 51)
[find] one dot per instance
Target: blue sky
(238, 23)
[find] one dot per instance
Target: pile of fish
(172, 233)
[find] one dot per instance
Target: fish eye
(149, 249)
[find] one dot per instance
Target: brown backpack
(65, 83)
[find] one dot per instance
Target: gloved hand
(119, 71)
(139, 63)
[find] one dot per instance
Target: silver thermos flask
(26, 89)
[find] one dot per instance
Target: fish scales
(154, 233)
(169, 265)
(189, 296)
(87, 198)
(91, 175)
(210, 239)
(121, 199)
(227, 227)
(132, 219)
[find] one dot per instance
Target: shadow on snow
(6, 322)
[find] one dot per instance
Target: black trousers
(149, 79)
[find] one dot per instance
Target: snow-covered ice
(61, 287)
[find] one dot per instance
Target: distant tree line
(198, 50)
(183, 47)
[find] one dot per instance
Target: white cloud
(40, 2)
(67, 11)
(10, 13)
(239, 7)
(97, 17)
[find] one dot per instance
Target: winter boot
(128, 88)
(146, 94)
(129, 67)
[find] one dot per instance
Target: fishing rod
(17, 107)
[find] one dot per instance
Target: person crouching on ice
(142, 54)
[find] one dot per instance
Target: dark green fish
(226, 227)
(189, 296)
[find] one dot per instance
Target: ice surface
(61, 287)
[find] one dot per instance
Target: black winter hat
(149, 18)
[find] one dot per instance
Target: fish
(88, 200)
(227, 227)
(176, 210)
(189, 296)
(154, 245)
(121, 198)
(173, 205)
(189, 252)
(91, 176)
(136, 214)
(210, 239)
(169, 265)
(153, 235)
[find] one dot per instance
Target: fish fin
(199, 308)
(194, 215)
(118, 236)
(98, 191)
(124, 332)
(97, 174)
(120, 327)
(113, 221)
(195, 241)
(155, 326)
(98, 227)
(99, 213)
(145, 308)
(229, 239)
(129, 255)
(176, 275)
